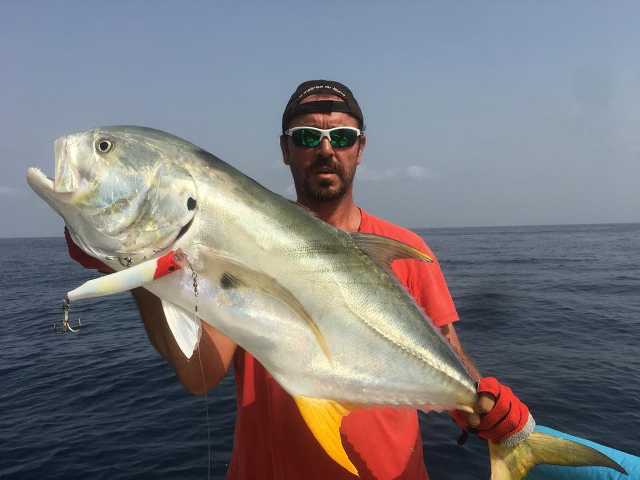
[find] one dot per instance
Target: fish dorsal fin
(323, 417)
(185, 327)
(385, 250)
(232, 274)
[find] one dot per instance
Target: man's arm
(215, 350)
(450, 332)
(485, 401)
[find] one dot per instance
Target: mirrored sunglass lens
(306, 137)
(343, 137)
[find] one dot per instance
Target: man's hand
(499, 415)
(87, 261)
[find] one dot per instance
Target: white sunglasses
(311, 136)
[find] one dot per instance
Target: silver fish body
(131, 203)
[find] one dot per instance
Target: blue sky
(477, 112)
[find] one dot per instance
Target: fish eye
(104, 145)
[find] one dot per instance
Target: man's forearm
(449, 331)
(209, 362)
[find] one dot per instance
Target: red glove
(87, 261)
(509, 421)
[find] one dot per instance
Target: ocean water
(553, 312)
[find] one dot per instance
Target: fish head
(124, 192)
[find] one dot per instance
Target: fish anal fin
(386, 250)
(184, 326)
(229, 273)
(513, 463)
(323, 417)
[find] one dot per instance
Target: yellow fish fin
(323, 417)
(513, 463)
(386, 250)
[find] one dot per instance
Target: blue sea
(552, 311)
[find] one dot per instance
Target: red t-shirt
(272, 441)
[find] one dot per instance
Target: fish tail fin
(513, 463)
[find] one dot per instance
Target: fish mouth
(66, 177)
(44, 187)
(38, 179)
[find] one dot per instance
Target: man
(322, 142)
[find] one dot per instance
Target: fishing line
(194, 276)
(206, 411)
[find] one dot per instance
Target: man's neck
(343, 214)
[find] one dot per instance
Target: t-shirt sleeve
(426, 284)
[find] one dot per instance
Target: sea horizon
(533, 225)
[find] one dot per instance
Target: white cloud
(418, 172)
(369, 174)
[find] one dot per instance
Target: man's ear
(363, 141)
(284, 147)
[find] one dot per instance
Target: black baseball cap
(313, 87)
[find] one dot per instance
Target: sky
(478, 113)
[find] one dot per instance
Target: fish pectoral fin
(184, 326)
(386, 250)
(232, 274)
(513, 463)
(323, 417)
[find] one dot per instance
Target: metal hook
(65, 323)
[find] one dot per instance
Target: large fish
(317, 306)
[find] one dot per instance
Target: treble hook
(65, 323)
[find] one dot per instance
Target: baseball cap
(312, 87)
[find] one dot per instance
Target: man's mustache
(320, 162)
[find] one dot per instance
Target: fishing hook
(65, 323)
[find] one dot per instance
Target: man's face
(322, 174)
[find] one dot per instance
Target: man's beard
(327, 191)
